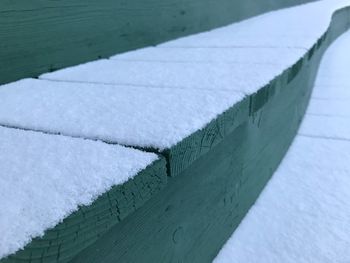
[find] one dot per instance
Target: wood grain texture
(190, 219)
(199, 143)
(191, 148)
(218, 173)
(194, 215)
(38, 36)
(85, 226)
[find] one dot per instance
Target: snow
(303, 214)
(326, 126)
(44, 178)
(326, 81)
(242, 57)
(187, 75)
(157, 118)
(329, 107)
(157, 96)
(293, 29)
(342, 93)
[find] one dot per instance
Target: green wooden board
(216, 174)
(85, 226)
(191, 218)
(38, 36)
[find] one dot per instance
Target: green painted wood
(191, 148)
(85, 226)
(217, 174)
(38, 36)
(192, 217)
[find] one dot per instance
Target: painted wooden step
(220, 153)
(148, 118)
(59, 194)
(184, 130)
(95, 29)
(302, 188)
(243, 56)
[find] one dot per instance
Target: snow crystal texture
(186, 75)
(120, 114)
(44, 178)
(303, 215)
(156, 97)
(242, 57)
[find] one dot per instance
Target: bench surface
(310, 186)
(220, 106)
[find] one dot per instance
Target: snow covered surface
(245, 78)
(329, 107)
(44, 178)
(326, 126)
(297, 27)
(342, 93)
(127, 115)
(303, 215)
(155, 97)
(243, 56)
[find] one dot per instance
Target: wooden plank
(222, 170)
(39, 36)
(199, 143)
(192, 217)
(85, 226)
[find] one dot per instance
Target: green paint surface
(86, 225)
(214, 176)
(193, 216)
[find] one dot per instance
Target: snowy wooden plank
(223, 183)
(149, 118)
(237, 55)
(246, 78)
(233, 156)
(203, 204)
(34, 39)
(59, 192)
(303, 187)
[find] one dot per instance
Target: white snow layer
(238, 55)
(303, 215)
(44, 178)
(163, 95)
(155, 97)
(245, 78)
(135, 116)
(243, 56)
(329, 107)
